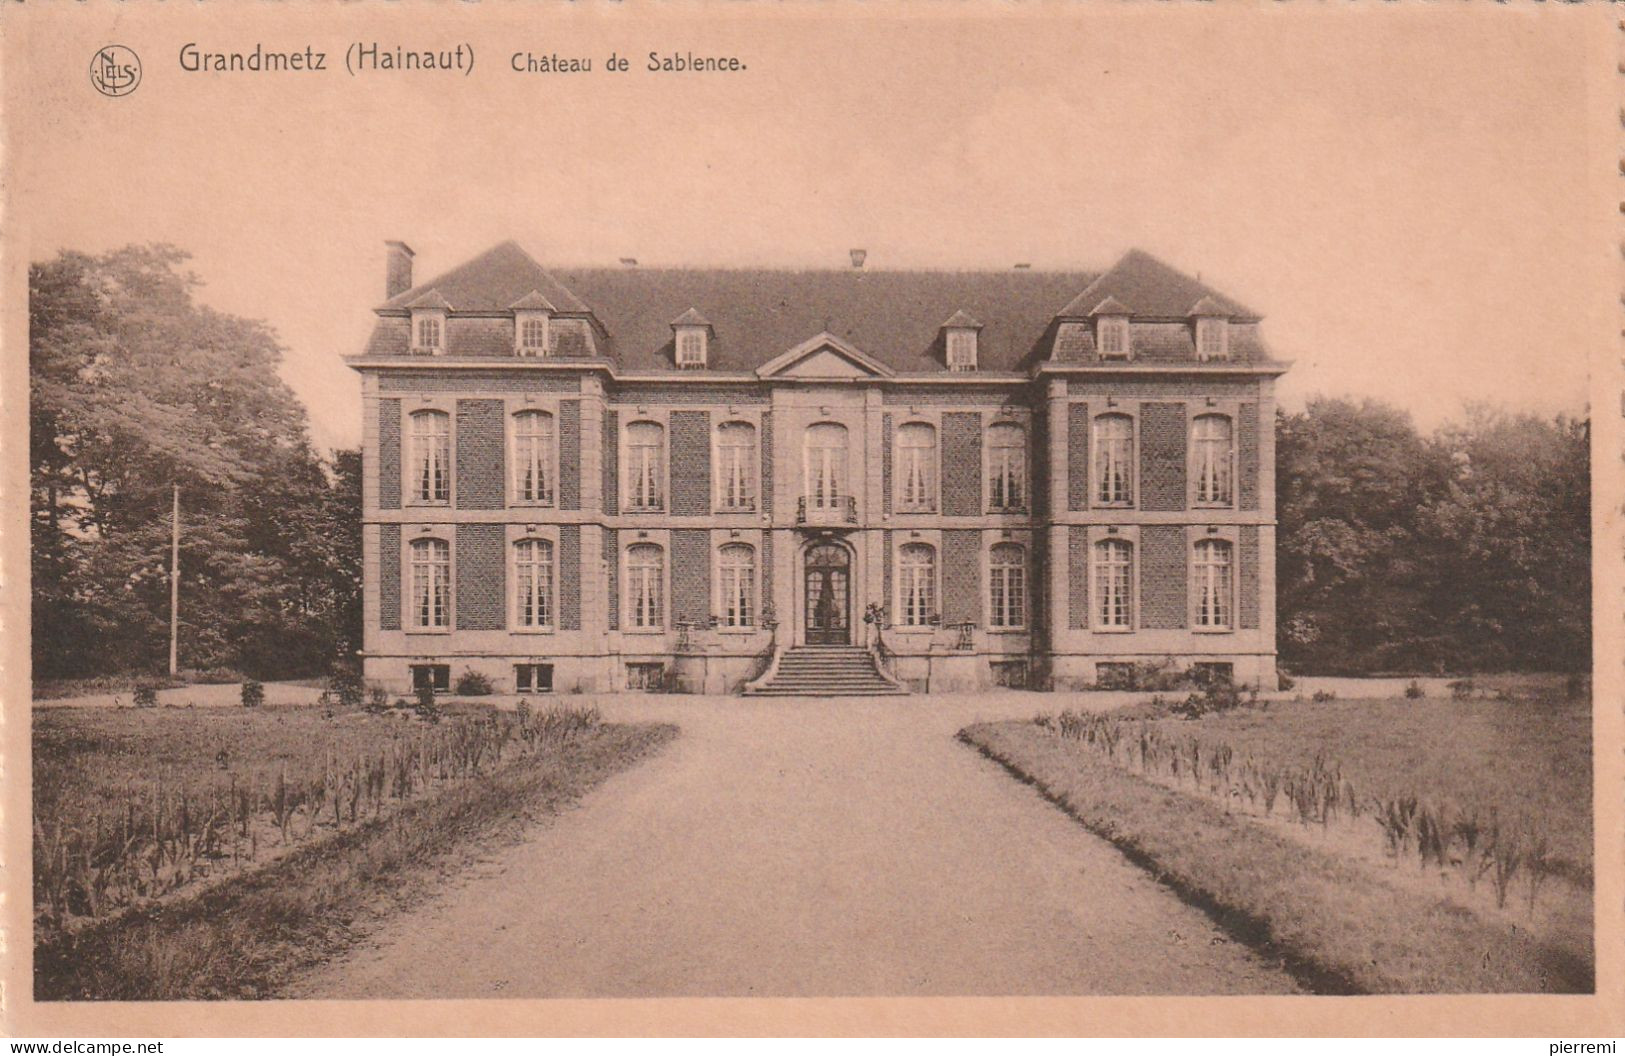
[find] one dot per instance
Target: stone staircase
(825, 671)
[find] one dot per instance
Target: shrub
(1463, 688)
(1284, 681)
(473, 684)
(1219, 696)
(1323, 695)
(1147, 674)
(346, 684)
(253, 694)
(1413, 691)
(146, 696)
(378, 700)
(425, 696)
(210, 676)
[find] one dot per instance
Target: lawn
(1524, 758)
(1341, 926)
(212, 853)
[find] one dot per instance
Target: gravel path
(803, 848)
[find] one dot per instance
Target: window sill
(915, 510)
(1112, 630)
(1112, 506)
(428, 504)
(531, 630)
(1212, 630)
(736, 630)
(1007, 510)
(735, 509)
(1212, 505)
(532, 504)
(910, 629)
(428, 630)
(645, 509)
(1005, 630)
(643, 630)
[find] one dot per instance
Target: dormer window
(691, 338)
(530, 333)
(959, 339)
(1212, 338)
(429, 332)
(1112, 336)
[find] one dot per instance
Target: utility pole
(174, 579)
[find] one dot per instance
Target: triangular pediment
(825, 356)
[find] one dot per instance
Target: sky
(1399, 196)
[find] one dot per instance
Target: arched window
(916, 584)
(1114, 584)
(916, 468)
(645, 577)
(1007, 467)
(533, 583)
(1212, 584)
(826, 466)
(645, 466)
(431, 456)
(431, 584)
(736, 466)
(1007, 586)
(1211, 457)
(1114, 460)
(533, 455)
(736, 564)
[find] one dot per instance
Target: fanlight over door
(828, 595)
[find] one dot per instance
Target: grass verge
(1335, 926)
(247, 938)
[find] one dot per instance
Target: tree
(135, 388)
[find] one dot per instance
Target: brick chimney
(398, 271)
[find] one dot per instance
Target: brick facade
(961, 576)
(389, 454)
(481, 451)
(690, 463)
(867, 388)
(1162, 456)
(569, 454)
(481, 567)
(691, 576)
(962, 464)
(569, 577)
(389, 577)
(1163, 578)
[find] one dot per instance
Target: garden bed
(1339, 923)
(151, 885)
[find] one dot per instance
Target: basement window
(435, 676)
(645, 675)
(533, 678)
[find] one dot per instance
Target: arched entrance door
(828, 569)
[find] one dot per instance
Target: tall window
(736, 466)
(1211, 570)
(917, 581)
(1211, 443)
(431, 584)
(1113, 334)
(1114, 460)
(644, 466)
(431, 456)
(428, 337)
(645, 569)
(826, 465)
(962, 350)
(737, 564)
(1114, 584)
(533, 457)
(916, 467)
(533, 335)
(1007, 586)
(1210, 338)
(1007, 467)
(533, 583)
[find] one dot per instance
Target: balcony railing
(835, 509)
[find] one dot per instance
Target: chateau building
(694, 479)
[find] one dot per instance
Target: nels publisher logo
(115, 70)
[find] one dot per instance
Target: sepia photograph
(560, 506)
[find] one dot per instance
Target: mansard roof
(757, 314)
(1152, 290)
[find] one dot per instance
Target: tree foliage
(1467, 550)
(136, 388)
